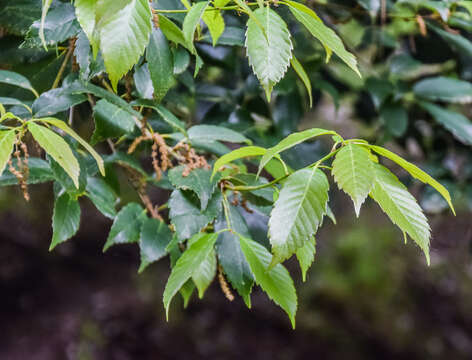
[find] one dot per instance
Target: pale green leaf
(172, 32)
(324, 34)
(303, 76)
(65, 220)
(123, 33)
(7, 140)
(191, 21)
(64, 127)
(242, 152)
(44, 12)
(306, 256)
(276, 282)
(298, 212)
(187, 264)
(414, 171)
(58, 149)
(291, 141)
(269, 56)
(352, 170)
(401, 207)
(85, 11)
(215, 22)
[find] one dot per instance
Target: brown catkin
(224, 284)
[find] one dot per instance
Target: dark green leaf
(160, 64)
(444, 89)
(56, 100)
(110, 121)
(155, 236)
(127, 226)
(185, 213)
(66, 219)
(198, 180)
(102, 196)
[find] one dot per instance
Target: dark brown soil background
(368, 296)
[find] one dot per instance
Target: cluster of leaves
(142, 50)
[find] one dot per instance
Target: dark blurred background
(367, 295)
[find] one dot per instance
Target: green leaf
(160, 64)
(352, 170)
(456, 123)
(215, 22)
(154, 238)
(269, 56)
(173, 32)
(205, 272)
(85, 11)
(39, 172)
(126, 161)
(12, 78)
(60, 25)
(7, 140)
(401, 207)
(303, 76)
(444, 89)
(198, 180)
(110, 121)
(306, 256)
(188, 287)
(230, 255)
(17, 16)
(143, 83)
(44, 12)
(102, 196)
(64, 127)
(191, 21)
(132, 21)
(395, 117)
(187, 264)
(298, 212)
(58, 149)
(414, 171)
(291, 141)
(242, 152)
(185, 213)
(324, 34)
(165, 115)
(88, 88)
(208, 133)
(467, 4)
(276, 282)
(126, 226)
(56, 100)
(461, 44)
(65, 220)
(10, 101)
